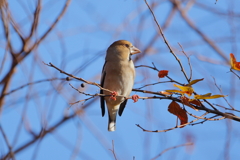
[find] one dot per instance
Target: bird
(118, 76)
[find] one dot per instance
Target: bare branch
(179, 126)
(113, 151)
(11, 153)
(231, 70)
(165, 40)
(174, 147)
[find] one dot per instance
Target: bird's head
(121, 50)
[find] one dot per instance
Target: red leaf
(162, 73)
(186, 102)
(175, 109)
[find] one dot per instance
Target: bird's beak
(134, 50)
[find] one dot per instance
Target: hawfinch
(118, 76)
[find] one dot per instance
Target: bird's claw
(114, 95)
(135, 98)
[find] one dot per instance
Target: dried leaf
(186, 101)
(196, 102)
(195, 81)
(186, 89)
(162, 73)
(207, 94)
(208, 97)
(175, 109)
(234, 64)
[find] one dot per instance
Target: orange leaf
(162, 73)
(208, 97)
(186, 89)
(234, 64)
(186, 101)
(175, 109)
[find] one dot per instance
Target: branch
(11, 153)
(80, 79)
(165, 40)
(201, 34)
(162, 96)
(44, 132)
(179, 126)
(113, 151)
(234, 73)
(32, 83)
(181, 145)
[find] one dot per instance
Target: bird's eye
(127, 45)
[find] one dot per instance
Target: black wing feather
(122, 106)
(101, 91)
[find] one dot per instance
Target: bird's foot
(113, 95)
(135, 98)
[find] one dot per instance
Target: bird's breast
(119, 77)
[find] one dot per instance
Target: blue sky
(78, 44)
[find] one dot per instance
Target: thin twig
(154, 68)
(80, 79)
(208, 119)
(234, 73)
(165, 40)
(35, 19)
(226, 108)
(179, 126)
(152, 84)
(204, 120)
(222, 93)
(174, 147)
(32, 83)
(113, 151)
(11, 153)
(189, 62)
(200, 33)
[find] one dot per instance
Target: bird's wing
(122, 106)
(101, 91)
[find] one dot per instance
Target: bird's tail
(112, 120)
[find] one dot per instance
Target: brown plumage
(118, 75)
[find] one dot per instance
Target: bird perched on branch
(118, 76)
